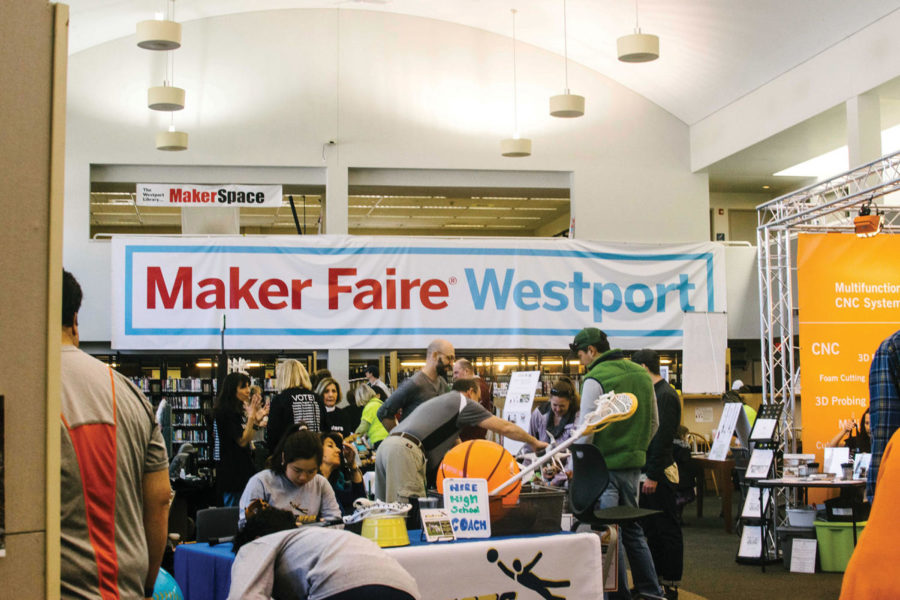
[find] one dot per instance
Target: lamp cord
(515, 81)
(566, 45)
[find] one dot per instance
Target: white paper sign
(466, 501)
(724, 431)
(834, 457)
(752, 505)
(703, 414)
(751, 542)
(803, 556)
(763, 429)
(758, 467)
(207, 196)
(519, 400)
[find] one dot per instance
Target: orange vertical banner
(849, 300)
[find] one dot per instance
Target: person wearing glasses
(425, 384)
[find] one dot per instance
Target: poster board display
(519, 400)
(723, 433)
(849, 300)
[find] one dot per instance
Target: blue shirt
(884, 402)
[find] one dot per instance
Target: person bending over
(292, 481)
(276, 560)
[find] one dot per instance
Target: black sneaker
(671, 593)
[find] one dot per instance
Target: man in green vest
(624, 447)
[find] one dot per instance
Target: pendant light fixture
(171, 140)
(159, 34)
(166, 97)
(566, 105)
(515, 147)
(638, 47)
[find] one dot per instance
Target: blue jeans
(624, 490)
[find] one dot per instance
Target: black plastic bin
(787, 535)
(539, 510)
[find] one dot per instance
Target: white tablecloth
(566, 565)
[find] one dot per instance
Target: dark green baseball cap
(589, 336)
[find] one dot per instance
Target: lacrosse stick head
(611, 408)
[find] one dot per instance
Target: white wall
(852, 67)
(395, 92)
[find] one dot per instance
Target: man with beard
(423, 385)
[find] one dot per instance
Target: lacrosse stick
(611, 407)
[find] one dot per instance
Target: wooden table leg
(727, 489)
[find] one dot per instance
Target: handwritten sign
(466, 501)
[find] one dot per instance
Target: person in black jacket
(663, 530)
(235, 465)
(294, 403)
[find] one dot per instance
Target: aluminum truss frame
(827, 206)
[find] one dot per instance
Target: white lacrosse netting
(366, 508)
(611, 407)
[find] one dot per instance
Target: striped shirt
(110, 440)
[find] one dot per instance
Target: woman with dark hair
(340, 469)
(292, 481)
(858, 442)
(235, 464)
(556, 418)
(329, 390)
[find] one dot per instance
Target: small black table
(802, 483)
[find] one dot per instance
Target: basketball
(481, 459)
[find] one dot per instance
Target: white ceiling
(712, 51)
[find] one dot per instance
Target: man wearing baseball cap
(623, 446)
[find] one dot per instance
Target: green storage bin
(836, 543)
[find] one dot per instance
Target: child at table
(292, 481)
(274, 559)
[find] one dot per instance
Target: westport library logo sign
(381, 292)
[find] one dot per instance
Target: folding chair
(218, 523)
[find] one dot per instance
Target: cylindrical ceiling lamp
(171, 141)
(165, 97)
(159, 35)
(566, 105)
(515, 147)
(638, 47)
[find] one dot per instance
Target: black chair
(218, 524)
(590, 478)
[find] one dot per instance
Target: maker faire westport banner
(379, 292)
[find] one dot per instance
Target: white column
(336, 182)
(339, 365)
(863, 129)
